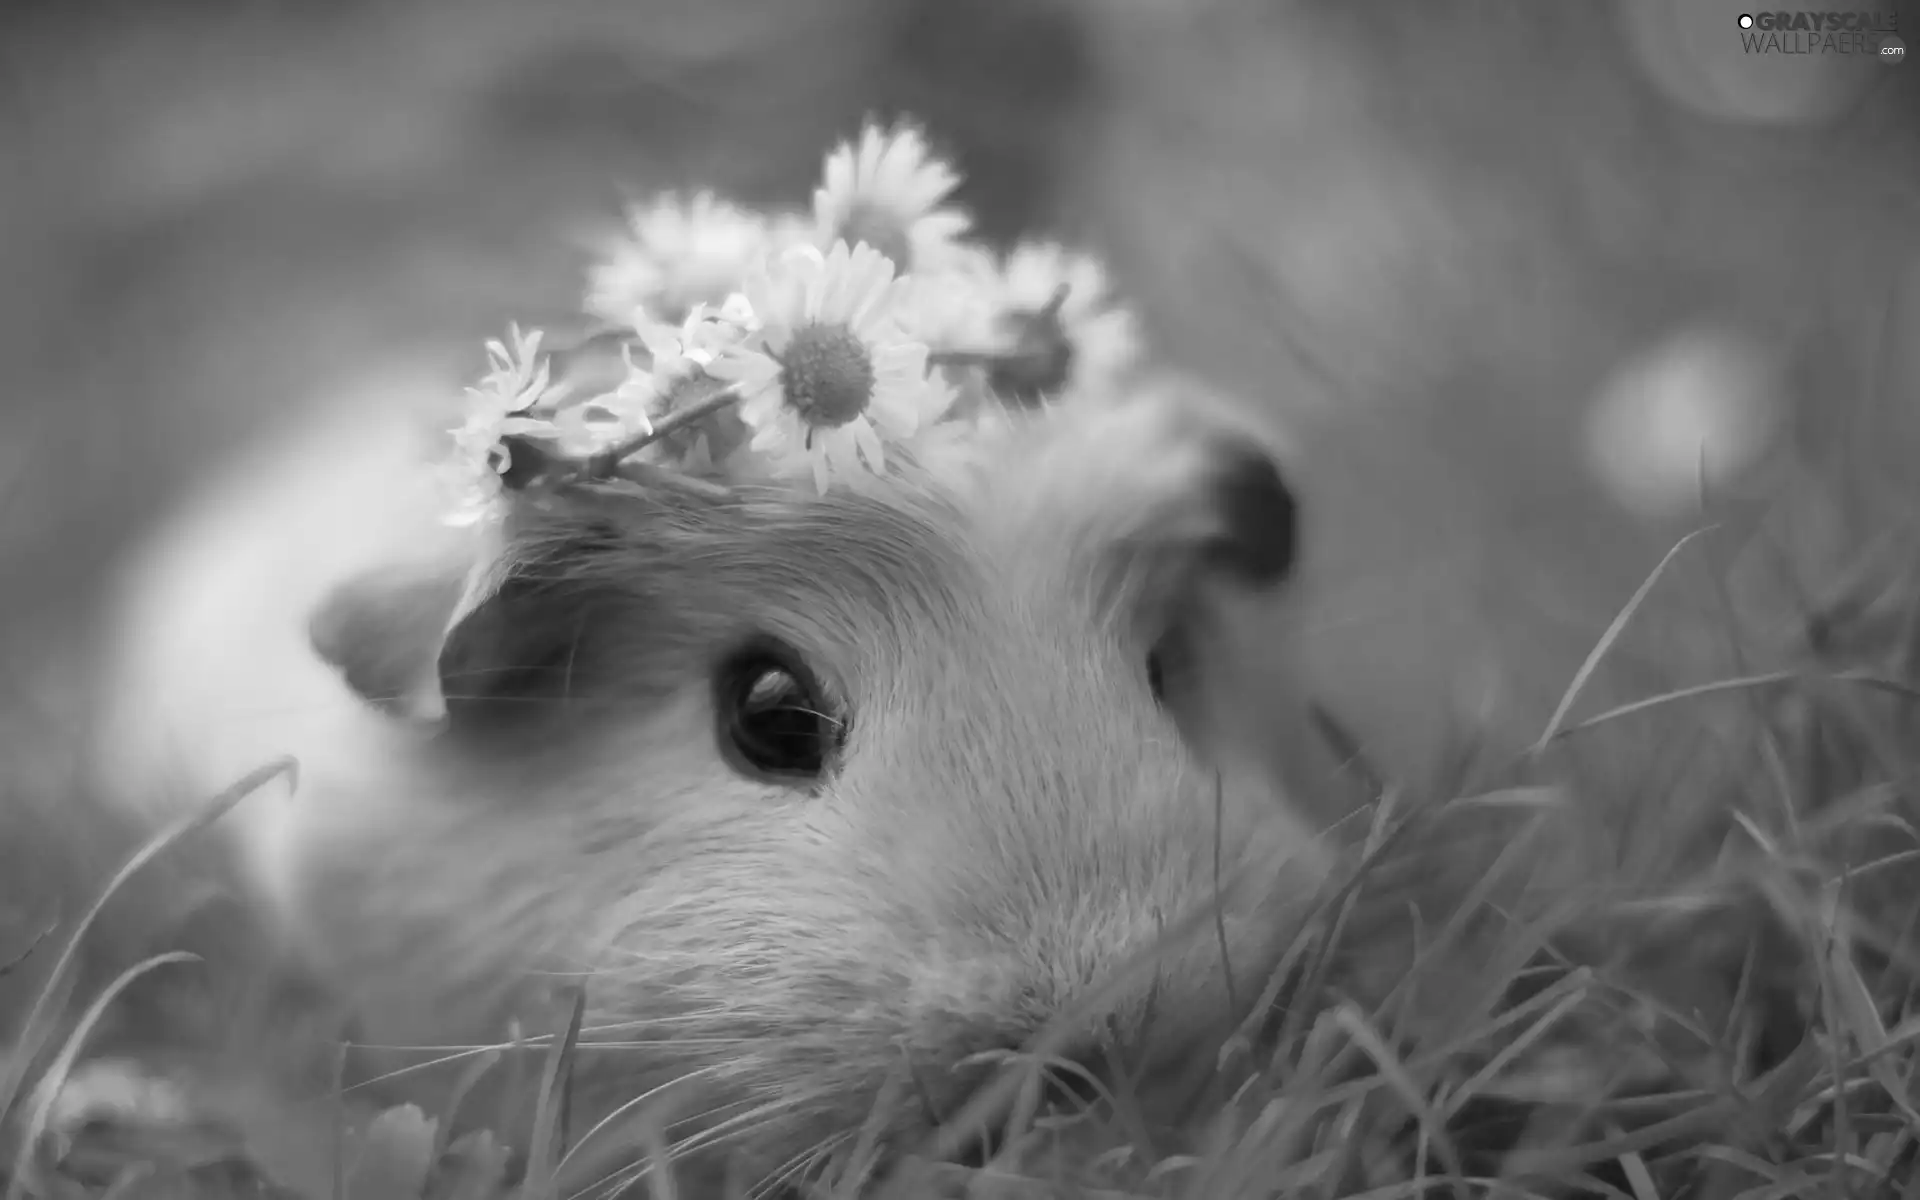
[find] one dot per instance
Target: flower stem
(964, 358)
(602, 465)
(990, 358)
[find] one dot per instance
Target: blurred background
(1496, 267)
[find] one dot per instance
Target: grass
(1492, 1000)
(1666, 952)
(1666, 955)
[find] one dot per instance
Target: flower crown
(790, 345)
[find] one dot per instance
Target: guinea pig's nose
(1258, 517)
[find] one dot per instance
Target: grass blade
(1607, 639)
(540, 1154)
(62, 1065)
(16, 1064)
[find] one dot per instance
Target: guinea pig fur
(801, 788)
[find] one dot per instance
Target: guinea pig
(801, 788)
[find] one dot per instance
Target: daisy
(708, 330)
(955, 307)
(677, 253)
(786, 230)
(830, 375)
(606, 420)
(675, 375)
(886, 190)
(1059, 325)
(955, 311)
(502, 404)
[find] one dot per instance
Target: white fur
(1014, 821)
(211, 673)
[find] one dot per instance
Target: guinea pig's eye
(773, 721)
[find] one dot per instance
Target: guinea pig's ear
(1250, 530)
(1182, 483)
(1213, 535)
(457, 639)
(382, 631)
(527, 637)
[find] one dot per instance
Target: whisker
(733, 1129)
(741, 1124)
(798, 1165)
(657, 1043)
(829, 718)
(629, 1108)
(445, 1055)
(539, 1040)
(420, 1067)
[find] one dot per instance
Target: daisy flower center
(878, 228)
(826, 374)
